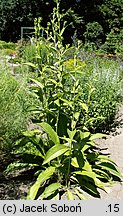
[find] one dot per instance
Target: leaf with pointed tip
(105, 158)
(93, 176)
(30, 64)
(51, 133)
(66, 102)
(38, 83)
(43, 176)
(111, 168)
(50, 190)
(97, 136)
(55, 152)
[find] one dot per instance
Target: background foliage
(103, 17)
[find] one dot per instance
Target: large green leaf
(87, 184)
(97, 136)
(30, 64)
(38, 83)
(66, 102)
(93, 176)
(86, 173)
(105, 158)
(51, 133)
(44, 175)
(102, 174)
(84, 135)
(50, 190)
(111, 168)
(78, 161)
(55, 152)
(33, 191)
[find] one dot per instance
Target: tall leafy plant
(67, 157)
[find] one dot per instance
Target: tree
(112, 14)
(18, 13)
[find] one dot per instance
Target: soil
(15, 186)
(14, 189)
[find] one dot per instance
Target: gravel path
(114, 142)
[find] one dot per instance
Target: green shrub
(101, 77)
(69, 64)
(29, 53)
(15, 100)
(107, 96)
(93, 34)
(114, 42)
(10, 52)
(9, 45)
(26, 50)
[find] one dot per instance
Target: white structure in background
(31, 34)
(24, 31)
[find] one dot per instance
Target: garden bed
(16, 185)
